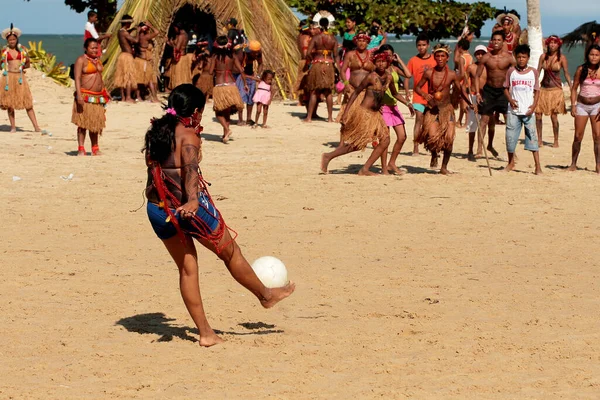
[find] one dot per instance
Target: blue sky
(52, 16)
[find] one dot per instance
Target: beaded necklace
(4, 63)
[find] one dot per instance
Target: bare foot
(384, 171)
(307, 120)
(493, 151)
(555, 145)
(330, 119)
(241, 123)
(538, 172)
(278, 294)
(210, 340)
(572, 168)
(508, 168)
(366, 172)
(415, 154)
(130, 101)
(13, 130)
(37, 129)
(394, 169)
(265, 127)
(324, 163)
(471, 157)
(81, 153)
(445, 171)
(226, 136)
(97, 153)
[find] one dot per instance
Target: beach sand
(420, 286)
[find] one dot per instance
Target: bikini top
(9, 56)
(90, 68)
(357, 63)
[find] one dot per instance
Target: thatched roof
(269, 21)
(582, 34)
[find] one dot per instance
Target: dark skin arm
(345, 65)
(190, 149)
(478, 74)
(238, 65)
(418, 89)
(78, 67)
(311, 47)
(574, 88)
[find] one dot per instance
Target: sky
(53, 17)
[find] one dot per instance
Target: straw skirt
(226, 97)
(18, 96)
(321, 76)
(181, 71)
(125, 76)
(89, 116)
(205, 84)
(362, 127)
(552, 101)
(442, 138)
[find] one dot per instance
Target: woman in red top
(14, 90)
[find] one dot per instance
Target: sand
(420, 286)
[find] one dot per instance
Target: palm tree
(534, 31)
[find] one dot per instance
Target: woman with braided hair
(181, 209)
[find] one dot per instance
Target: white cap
(481, 48)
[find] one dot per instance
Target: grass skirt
(300, 78)
(91, 117)
(552, 100)
(125, 76)
(18, 96)
(356, 103)
(206, 84)
(437, 140)
(181, 72)
(321, 76)
(362, 127)
(145, 70)
(225, 97)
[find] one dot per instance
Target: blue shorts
(514, 124)
(166, 230)
(246, 95)
(419, 107)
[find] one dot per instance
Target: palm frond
(269, 21)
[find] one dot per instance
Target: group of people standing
(496, 81)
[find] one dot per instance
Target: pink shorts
(392, 116)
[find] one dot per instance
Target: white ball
(271, 271)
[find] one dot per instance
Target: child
(263, 96)
(417, 66)
(522, 89)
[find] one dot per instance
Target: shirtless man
(439, 126)
(322, 52)
(472, 117)
(125, 77)
(147, 71)
(491, 98)
(364, 123)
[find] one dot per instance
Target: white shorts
(472, 118)
(585, 110)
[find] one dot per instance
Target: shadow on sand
(158, 324)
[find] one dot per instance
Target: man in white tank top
(522, 89)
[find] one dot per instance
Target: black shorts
(494, 100)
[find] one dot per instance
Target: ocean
(67, 48)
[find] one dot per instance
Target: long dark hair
(222, 47)
(558, 53)
(159, 142)
(585, 67)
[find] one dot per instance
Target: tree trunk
(534, 31)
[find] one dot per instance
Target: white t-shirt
(91, 29)
(521, 86)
